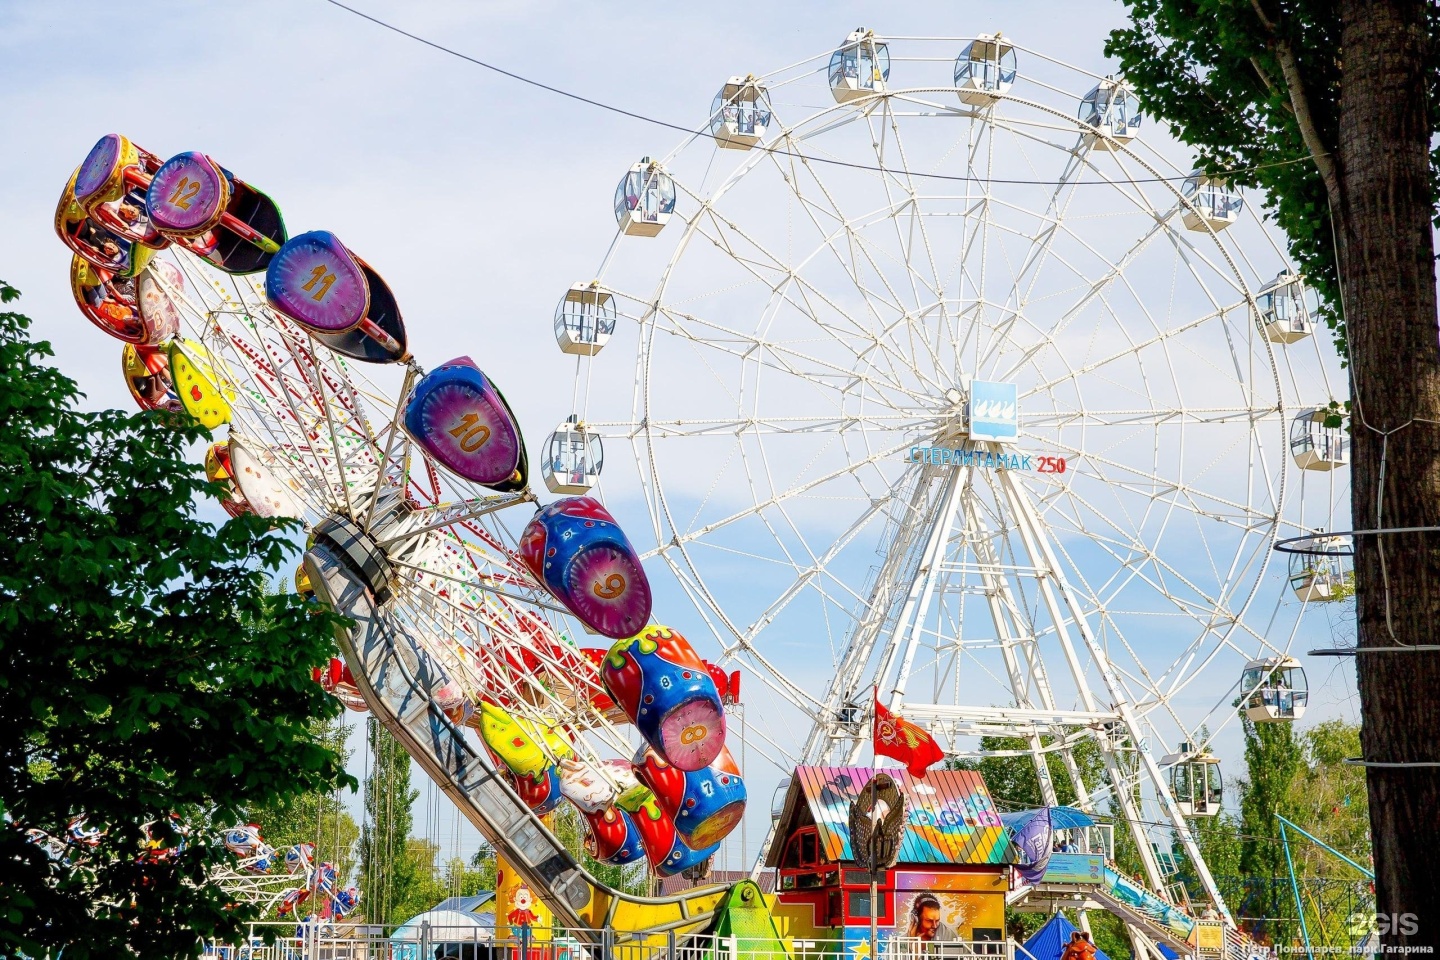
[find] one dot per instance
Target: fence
(348, 942)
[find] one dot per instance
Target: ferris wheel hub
(359, 551)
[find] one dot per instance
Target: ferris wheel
(466, 603)
(942, 382)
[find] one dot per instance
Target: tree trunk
(1387, 268)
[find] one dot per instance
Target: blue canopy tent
(1049, 941)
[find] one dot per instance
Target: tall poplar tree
(387, 872)
(1273, 761)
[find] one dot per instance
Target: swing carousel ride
(956, 395)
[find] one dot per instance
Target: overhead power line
(766, 148)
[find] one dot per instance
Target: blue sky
(478, 198)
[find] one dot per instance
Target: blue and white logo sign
(994, 411)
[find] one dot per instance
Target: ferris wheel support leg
(846, 681)
(929, 575)
(919, 594)
(1003, 613)
(1053, 582)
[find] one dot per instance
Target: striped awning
(949, 815)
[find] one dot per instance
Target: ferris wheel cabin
(574, 457)
(1274, 689)
(860, 67)
(644, 199)
(1213, 204)
(984, 70)
(740, 113)
(1323, 575)
(584, 319)
(1316, 445)
(1195, 782)
(1113, 110)
(1287, 309)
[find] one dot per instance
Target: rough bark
(1387, 269)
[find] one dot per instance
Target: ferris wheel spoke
(1050, 222)
(1129, 352)
(421, 522)
(1094, 290)
(1150, 485)
(776, 499)
(1041, 425)
(769, 675)
(816, 569)
(1128, 551)
(891, 131)
(855, 243)
(487, 583)
(787, 279)
(777, 357)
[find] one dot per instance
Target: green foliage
(143, 670)
(1213, 70)
(461, 881)
(390, 871)
(421, 886)
(1272, 761)
(1012, 780)
(1108, 933)
(1219, 841)
(483, 864)
(1329, 800)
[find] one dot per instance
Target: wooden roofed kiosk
(954, 856)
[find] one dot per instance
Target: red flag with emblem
(899, 739)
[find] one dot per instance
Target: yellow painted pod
(217, 463)
(302, 583)
(517, 742)
(195, 383)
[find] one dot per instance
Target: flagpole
(874, 796)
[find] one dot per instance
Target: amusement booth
(948, 883)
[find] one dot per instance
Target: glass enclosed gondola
(1196, 783)
(1323, 574)
(644, 199)
(1319, 440)
(1287, 309)
(1213, 204)
(860, 67)
(984, 70)
(584, 319)
(1113, 110)
(574, 457)
(1274, 689)
(740, 113)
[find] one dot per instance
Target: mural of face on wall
(935, 916)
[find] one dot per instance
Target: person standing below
(1079, 947)
(1075, 949)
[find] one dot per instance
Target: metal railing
(322, 941)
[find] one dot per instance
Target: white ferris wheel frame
(1109, 713)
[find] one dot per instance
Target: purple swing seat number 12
(184, 194)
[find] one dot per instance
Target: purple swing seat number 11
(319, 285)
